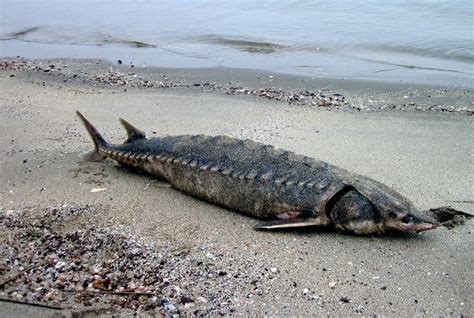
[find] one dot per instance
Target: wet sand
(426, 156)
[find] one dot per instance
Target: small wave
(46, 35)
(251, 45)
(21, 33)
(244, 44)
(415, 67)
(452, 51)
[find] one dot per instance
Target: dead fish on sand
(281, 187)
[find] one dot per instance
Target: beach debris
(332, 285)
(449, 217)
(43, 263)
(102, 284)
(116, 78)
(94, 190)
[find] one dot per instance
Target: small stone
(345, 299)
(305, 291)
(201, 299)
(60, 265)
(332, 285)
(186, 299)
(273, 269)
(51, 259)
(170, 308)
(256, 291)
(16, 296)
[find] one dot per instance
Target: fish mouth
(424, 227)
(413, 227)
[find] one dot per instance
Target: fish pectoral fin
(281, 224)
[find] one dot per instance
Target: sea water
(421, 41)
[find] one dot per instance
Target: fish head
(355, 212)
(397, 212)
(382, 208)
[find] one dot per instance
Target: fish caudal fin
(99, 141)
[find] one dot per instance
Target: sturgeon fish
(280, 187)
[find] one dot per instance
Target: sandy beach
(416, 139)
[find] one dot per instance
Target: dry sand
(426, 156)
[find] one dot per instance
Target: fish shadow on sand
(310, 231)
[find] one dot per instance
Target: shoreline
(324, 93)
(215, 262)
(406, 68)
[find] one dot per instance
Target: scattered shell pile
(119, 79)
(322, 98)
(42, 262)
(14, 64)
(114, 78)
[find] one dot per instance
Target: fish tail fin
(99, 141)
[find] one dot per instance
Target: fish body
(283, 188)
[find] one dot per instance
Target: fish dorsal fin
(132, 132)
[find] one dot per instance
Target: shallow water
(416, 41)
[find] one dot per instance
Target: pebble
(169, 307)
(345, 299)
(51, 259)
(102, 259)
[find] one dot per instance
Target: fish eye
(408, 219)
(393, 215)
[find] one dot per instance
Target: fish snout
(425, 227)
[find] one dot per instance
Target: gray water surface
(427, 41)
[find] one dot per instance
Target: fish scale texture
(248, 176)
